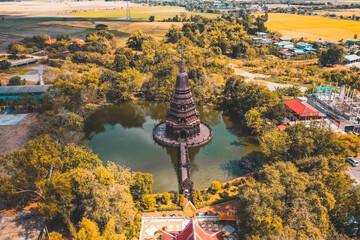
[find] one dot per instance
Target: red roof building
(78, 41)
(303, 110)
(192, 231)
(282, 127)
(51, 41)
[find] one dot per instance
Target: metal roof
(24, 89)
(303, 109)
(23, 61)
(303, 44)
(352, 57)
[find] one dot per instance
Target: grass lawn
(312, 27)
(141, 14)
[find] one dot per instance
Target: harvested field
(312, 27)
(159, 28)
(140, 14)
(15, 137)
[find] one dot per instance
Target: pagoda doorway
(183, 134)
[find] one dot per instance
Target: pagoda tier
(182, 119)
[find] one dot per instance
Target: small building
(78, 41)
(266, 41)
(285, 39)
(50, 41)
(301, 110)
(23, 62)
(352, 42)
(298, 51)
(286, 53)
(333, 43)
(257, 39)
(15, 92)
(351, 59)
(262, 35)
(305, 46)
(321, 42)
(284, 44)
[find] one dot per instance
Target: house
(301, 110)
(284, 39)
(351, 59)
(352, 41)
(333, 43)
(78, 41)
(262, 35)
(256, 39)
(286, 53)
(305, 46)
(284, 44)
(298, 51)
(321, 42)
(266, 41)
(50, 41)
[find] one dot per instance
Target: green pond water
(123, 134)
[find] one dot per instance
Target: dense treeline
(305, 193)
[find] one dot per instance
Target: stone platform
(159, 135)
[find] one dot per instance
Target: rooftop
(351, 57)
(21, 227)
(303, 44)
(303, 109)
(23, 89)
(193, 231)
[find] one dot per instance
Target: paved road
(355, 173)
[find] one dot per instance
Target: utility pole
(128, 15)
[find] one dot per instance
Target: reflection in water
(123, 134)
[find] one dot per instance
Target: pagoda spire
(182, 65)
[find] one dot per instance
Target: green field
(142, 14)
(312, 27)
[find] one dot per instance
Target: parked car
(352, 161)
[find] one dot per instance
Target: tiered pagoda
(183, 128)
(182, 119)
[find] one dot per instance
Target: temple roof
(191, 232)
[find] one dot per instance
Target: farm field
(312, 27)
(344, 13)
(140, 14)
(158, 29)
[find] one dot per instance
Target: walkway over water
(186, 186)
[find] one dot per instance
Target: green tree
(109, 232)
(27, 167)
(274, 144)
(254, 120)
(148, 201)
(55, 236)
(136, 40)
(151, 18)
(165, 197)
(215, 186)
(332, 55)
(15, 81)
(88, 231)
(4, 65)
(141, 184)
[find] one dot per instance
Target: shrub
(215, 186)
